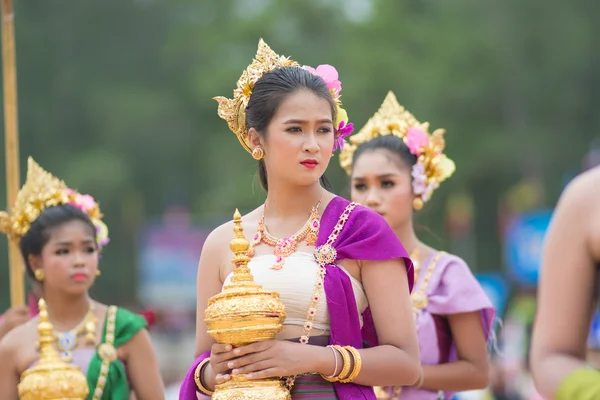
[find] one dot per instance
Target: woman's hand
(220, 355)
(275, 358)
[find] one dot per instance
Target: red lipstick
(79, 277)
(310, 163)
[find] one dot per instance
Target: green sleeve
(127, 324)
(581, 384)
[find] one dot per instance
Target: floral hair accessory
(432, 166)
(343, 128)
(88, 205)
(233, 111)
(43, 190)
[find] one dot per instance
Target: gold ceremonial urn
(51, 378)
(241, 314)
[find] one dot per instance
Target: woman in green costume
(60, 234)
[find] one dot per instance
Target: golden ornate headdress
(233, 111)
(43, 190)
(432, 166)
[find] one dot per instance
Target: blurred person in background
(12, 318)
(567, 295)
(338, 273)
(18, 315)
(394, 166)
(60, 234)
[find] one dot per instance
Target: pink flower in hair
(75, 200)
(86, 201)
(330, 76)
(418, 184)
(343, 128)
(416, 139)
(342, 132)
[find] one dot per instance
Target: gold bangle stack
(351, 365)
(357, 365)
(198, 378)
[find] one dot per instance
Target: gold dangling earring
(258, 153)
(39, 274)
(98, 272)
(417, 203)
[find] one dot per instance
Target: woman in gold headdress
(336, 265)
(60, 233)
(395, 165)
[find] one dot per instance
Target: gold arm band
(356, 366)
(346, 364)
(198, 378)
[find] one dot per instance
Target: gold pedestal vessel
(51, 378)
(241, 314)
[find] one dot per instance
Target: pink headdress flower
(416, 140)
(343, 128)
(330, 76)
(88, 205)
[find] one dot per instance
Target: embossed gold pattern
(51, 378)
(241, 314)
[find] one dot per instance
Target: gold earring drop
(98, 272)
(417, 203)
(258, 153)
(39, 274)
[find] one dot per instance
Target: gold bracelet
(198, 378)
(356, 367)
(347, 362)
(345, 365)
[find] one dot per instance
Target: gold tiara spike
(40, 191)
(432, 166)
(43, 190)
(233, 111)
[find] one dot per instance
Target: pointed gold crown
(51, 378)
(234, 110)
(43, 190)
(432, 165)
